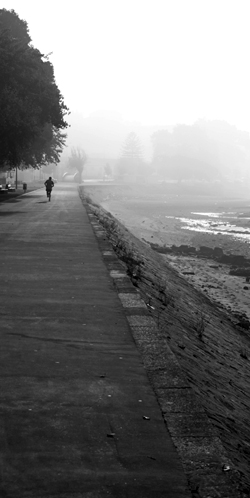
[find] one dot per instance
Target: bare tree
(77, 160)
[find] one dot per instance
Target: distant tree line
(204, 151)
(32, 118)
(207, 150)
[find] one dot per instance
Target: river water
(236, 225)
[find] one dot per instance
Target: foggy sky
(158, 62)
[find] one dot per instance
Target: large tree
(32, 107)
(131, 159)
(131, 148)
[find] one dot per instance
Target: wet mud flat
(197, 322)
(206, 239)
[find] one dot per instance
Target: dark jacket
(49, 184)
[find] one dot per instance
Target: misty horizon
(156, 63)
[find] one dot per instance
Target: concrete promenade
(78, 417)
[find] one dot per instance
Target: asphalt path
(78, 417)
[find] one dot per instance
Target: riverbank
(165, 220)
(213, 351)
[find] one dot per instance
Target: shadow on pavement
(15, 199)
(7, 213)
(25, 196)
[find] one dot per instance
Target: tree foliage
(131, 148)
(18, 28)
(46, 148)
(32, 108)
(131, 158)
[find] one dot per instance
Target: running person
(49, 184)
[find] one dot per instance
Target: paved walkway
(74, 392)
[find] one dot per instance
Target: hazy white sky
(155, 61)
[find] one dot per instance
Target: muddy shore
(203, 303)
(156, 217)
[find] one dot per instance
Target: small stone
(181, 346)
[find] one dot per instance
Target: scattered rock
(235, 260)
(205, 251)
(240, 272)
(181, 346)
(244, 324)
(184, 249)
(218, 252)
(243, 354)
